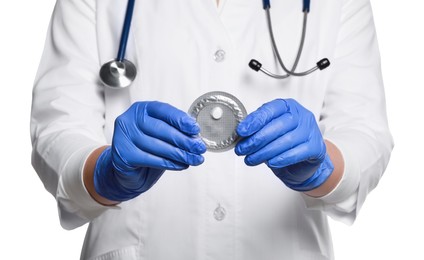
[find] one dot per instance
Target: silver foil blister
(218, 114)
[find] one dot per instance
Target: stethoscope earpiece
(323, 64)
(255, 65)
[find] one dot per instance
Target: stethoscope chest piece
(118, 74)
(218, 115)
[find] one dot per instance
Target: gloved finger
(304, 152)
(130, 159)
(159, 129)
(173, 116)
(276, 147)
(274, 129)
(262, 116)
(165, 150)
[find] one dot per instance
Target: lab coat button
(219, 55)
(219, 213)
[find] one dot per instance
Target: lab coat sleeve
(67, 115)
(354, 113)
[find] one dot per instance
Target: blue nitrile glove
(149, 138)
(285, 136)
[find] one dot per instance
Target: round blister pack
(218, 114)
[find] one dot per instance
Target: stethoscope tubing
(125, 31)
(299, 52)
(306, 5)
(121, 73)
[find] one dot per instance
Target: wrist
(318, 178)
(116, 186)
(105, 179)
(88, 178)
(334, 179)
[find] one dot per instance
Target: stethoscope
(120, 73)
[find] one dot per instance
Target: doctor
(130, 163)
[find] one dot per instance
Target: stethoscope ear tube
(257, 66)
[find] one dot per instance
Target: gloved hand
(149, 138)
(285, 136)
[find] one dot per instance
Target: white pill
(216, 113)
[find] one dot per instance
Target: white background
(390, 225)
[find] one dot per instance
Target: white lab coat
(222, 209)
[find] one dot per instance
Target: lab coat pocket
(127, 253)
